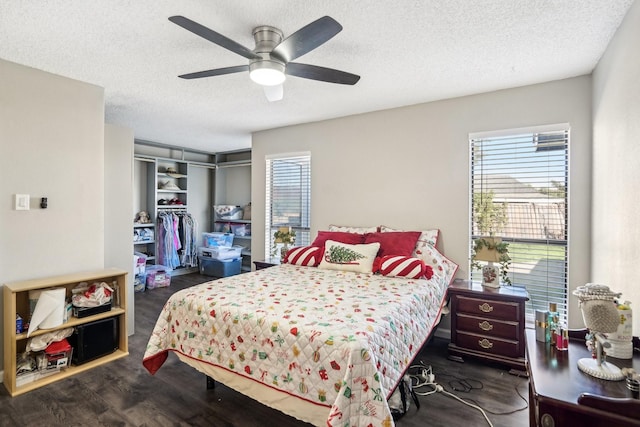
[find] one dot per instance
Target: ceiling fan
(270, 60)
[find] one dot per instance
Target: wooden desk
(555, 383)
(266, 263)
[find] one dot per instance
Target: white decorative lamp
(600, 315)
(285, 236)
(490, 250)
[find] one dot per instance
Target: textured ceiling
(406, 52)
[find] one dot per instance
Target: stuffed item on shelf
(142, 217)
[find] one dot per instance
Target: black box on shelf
(90, 311)
(94, 339)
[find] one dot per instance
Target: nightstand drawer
(491, 345)
(486, 326)
(505, 310)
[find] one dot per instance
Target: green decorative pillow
(346, 257)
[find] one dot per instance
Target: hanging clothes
(176, 239)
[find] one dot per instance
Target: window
(519, 192)
(288, 200)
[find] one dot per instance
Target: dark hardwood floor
(123, 393)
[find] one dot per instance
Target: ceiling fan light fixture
(267, 72)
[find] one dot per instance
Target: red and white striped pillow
(403, 266)
(308, 256)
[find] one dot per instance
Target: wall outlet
(21, 202)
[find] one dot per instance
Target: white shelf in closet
(146, 246)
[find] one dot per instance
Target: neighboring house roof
(506, 187)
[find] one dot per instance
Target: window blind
(288, 198)
(519, 192)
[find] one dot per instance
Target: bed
(325, 346)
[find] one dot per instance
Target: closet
(179, 188)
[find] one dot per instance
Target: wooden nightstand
(488, 324)
(266, 263)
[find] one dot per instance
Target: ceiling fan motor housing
(267, 38)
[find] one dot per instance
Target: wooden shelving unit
(16, 300)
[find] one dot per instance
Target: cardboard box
(57, 355)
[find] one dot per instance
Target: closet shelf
(233, 221)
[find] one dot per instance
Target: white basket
(228, 212)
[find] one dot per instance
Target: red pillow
(395, 242)
(308, 256)
(402, 266)
(338, 236)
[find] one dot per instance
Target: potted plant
(491, 249)
(282, 238)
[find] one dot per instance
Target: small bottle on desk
(552, 323)
(562, 337)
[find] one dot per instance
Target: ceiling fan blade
(274, 93)
(215, 72)
(213, 36)
(323, 74)
(307, 38)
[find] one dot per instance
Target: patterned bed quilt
(335, 339)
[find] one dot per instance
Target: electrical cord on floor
(423, 376)
(464, 385)
(484, 414)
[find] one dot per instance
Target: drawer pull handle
(485, 326)
(485, 343)
(485, 308)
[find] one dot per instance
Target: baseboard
(443, 333)
(1, 376)
(184, 270)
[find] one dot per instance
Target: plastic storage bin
(220, 268)
(158, 276)
(139, 262)
(227, 212)
(139, 282)
(221, 253)
(214, 240)
(241, 230)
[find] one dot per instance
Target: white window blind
(519, 191)
(288, 197)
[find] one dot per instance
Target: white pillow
(441, 265)
(347, 229)
(345, 257)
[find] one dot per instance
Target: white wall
(52, 145)
(199, 197)
(616, 164)
(409, 167)
(118, 202)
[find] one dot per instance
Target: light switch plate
(21, 202)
